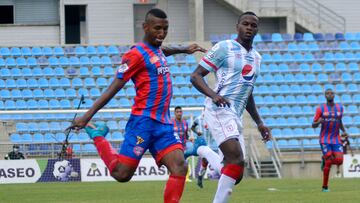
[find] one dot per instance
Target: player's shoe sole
(101, 130)
(325, 190)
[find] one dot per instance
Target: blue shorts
(331, 149)
(143, 133)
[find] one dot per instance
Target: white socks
(224, 189)
(212, 157)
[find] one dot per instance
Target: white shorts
(223, 125)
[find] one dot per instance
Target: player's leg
(212, 157)
(338, 157)
(232, 171)
(168, 150)
(121, 166)
(328, 158)
(227, 134)
(203, 165)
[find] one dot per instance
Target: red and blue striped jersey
(146, 66)
(181, 129)
(330, 128)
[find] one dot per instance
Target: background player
(329, 115)
(236, 65)
(149, 126)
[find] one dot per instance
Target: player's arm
(317, 119)
(193, 128)
(342, 128)
(251, 109)
(197, 79)
(192, 48)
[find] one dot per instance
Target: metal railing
(275, 157)
(324, 18)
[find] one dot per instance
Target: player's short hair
(246, 13)
(178, 107)
(156, 13)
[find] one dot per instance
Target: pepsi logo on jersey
(248, 72)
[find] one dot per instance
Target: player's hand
(79, 123)
(265, 132)
(191, 139)
(321, 120)
(192, 48)
(220, 101)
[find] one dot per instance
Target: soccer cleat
(100, 130)
(325, 189)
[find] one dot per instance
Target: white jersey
(236, 71)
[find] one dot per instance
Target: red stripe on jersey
(210, 64)
(168, 98)
(141, 93)
(160, 81)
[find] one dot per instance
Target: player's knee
(239, 179)
(179, 167)
(121, 177)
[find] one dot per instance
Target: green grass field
(250, 190)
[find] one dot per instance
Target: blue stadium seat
(63, 61)
(10, 62)
(347, 120)
(284, 89)
(346, 99)
(287, 132)
(38, 93)
(74, 61)
(77, 82)
(352, 109)
(353, 67)
(303, 121)
(54, 104)
(79, 50)
(109, 71)
(101, 82)
(59, 93)
(353, 131)
(270, 121)
(53, 61)
(320, 99)
(269, 100)
(96, 71)
(21, 62)
(102, 50)
(83, 91)
(322, 78)
(50, 137)
(10, 83)
(91, 50)
(113, 50)
(113, 103)
(105, 60)
(95, 92)
(70, 93)
(124, 102)
(53, 82)
(295, 88)
(21, 104)
(21, 83)
(178, 101)
(275, 110)
(340, 88)
(350, 36)
(15, 72)
(276, 37)
(306, 88)
(65, 104)
(280, 99)
(47, 71)
(89, 82)
(27, 94)
(25, 51)
(84, 60)
(43, 104)
(84, 71)
(4, 51)
(290, 99)
(308, 37)
(352, 88)
(356, 77)
(95, 60)
(301, 99)
(32, 83)
(355, 46)
(286, 110)
(16, 94)
(346, 77)
(328, 56)
(339, 36)
(257, 38)
(264, 111)
(329, 67)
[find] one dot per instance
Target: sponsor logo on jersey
(154, 59)
(248, 72)
(138, 151)
(139, 140)
(122, 68)
(163, 70)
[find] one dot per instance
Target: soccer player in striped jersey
(149, 126)
(329, 115)
(236, 65)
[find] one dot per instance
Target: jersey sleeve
(130, 65)
(318, 114)
(215, 57)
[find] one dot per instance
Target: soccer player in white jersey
(236, 65)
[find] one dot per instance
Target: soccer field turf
(249, 190)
